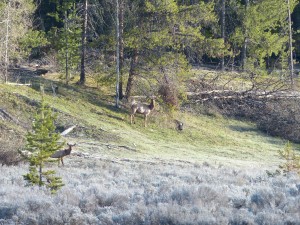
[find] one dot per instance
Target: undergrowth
(101, 191)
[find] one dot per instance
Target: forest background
(154, 43)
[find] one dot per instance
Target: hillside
(212, 172)
(105, 131)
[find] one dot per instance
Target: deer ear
(71, 144)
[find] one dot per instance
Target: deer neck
(152, 104)
(68, 151)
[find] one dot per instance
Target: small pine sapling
(292, 161)
(42, 143)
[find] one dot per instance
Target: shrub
(292, 161)
(169, 95)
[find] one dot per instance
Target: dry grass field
(123, 191)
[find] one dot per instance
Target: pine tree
(67, 39)
(292, 160)
(149, 39)
(42, 143)
(262, 35)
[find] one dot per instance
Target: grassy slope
(107, 130)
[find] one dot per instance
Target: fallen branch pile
(203, 96)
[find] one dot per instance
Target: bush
(169, 95)
(292, 161)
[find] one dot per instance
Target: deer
(179, 125)
(62, 153)
(141, 108)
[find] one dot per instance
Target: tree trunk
(223, 32)
(132, 73)
(118, 54)
(83, 42)
(290, 46)
(40, 175)
(6, 44)
(121, 46)
(245, 45)
(67, 47)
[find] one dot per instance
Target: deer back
(58, 154)
(142, 108)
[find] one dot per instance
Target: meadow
(212, 172)
(123, 191)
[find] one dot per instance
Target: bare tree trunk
(245, 45)
(6, 43)
(223, 32)
(40, 175)
(132, 73)
(118, 54)
(290, 46)
(67, 48)
(121, 46)
(83, 43)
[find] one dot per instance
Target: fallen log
(18, 84)
(65, 132)
(6, 116)
(228, 94)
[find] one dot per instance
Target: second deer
(62, 153)
(141, 108)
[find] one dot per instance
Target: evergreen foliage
(263, 25)
(292, 160)
(33, 39)
(66, 39)
(42, 143)
(255, 36)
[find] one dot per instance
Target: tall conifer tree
(42, 143)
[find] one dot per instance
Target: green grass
(212, 139)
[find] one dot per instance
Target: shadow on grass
(256, 131)
(243, 128)
(89, 94)
(85, 93)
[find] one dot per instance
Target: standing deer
(141, 108)
(61, 153)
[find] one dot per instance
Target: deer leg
(145, 120)
(132, 118)
(62, 161)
